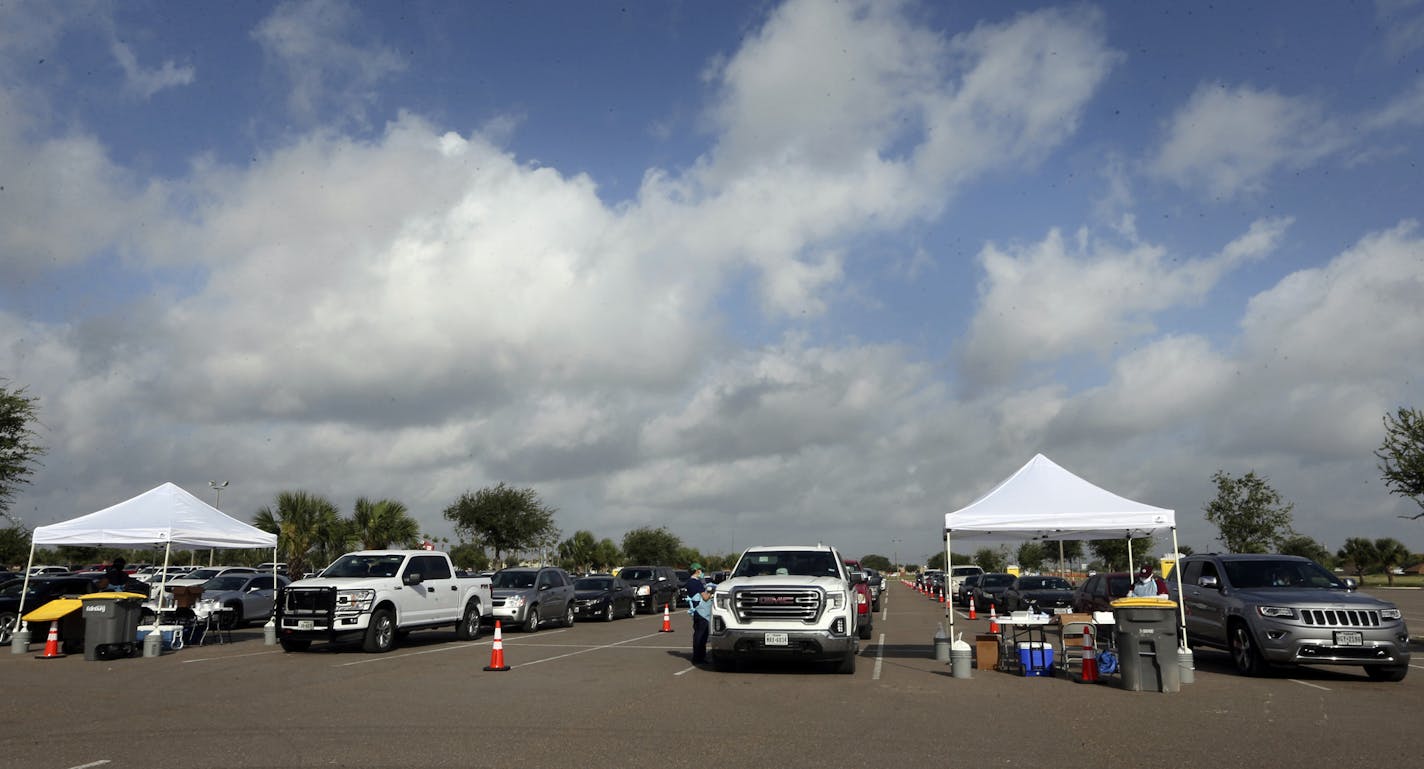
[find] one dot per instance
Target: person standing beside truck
(701, 620)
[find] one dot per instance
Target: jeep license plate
(776, 639)
(1349, 638)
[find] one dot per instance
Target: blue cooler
(172, 636)
(1035, 658)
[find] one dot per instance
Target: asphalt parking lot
(622, 694)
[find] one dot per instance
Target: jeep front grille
(1340, 617)
(802, 604)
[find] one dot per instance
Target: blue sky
(757, 272)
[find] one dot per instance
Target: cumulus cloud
(1059, 297)
(146, 82)
(311, 42)
(1227, 141)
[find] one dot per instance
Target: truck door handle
(429, 589)
(453, 588)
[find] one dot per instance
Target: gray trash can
(1147, 644)
(110, 625)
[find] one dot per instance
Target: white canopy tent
(1042, 501)
(164, 516)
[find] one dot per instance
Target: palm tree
(1361, 554)
(302, 522)
(1391, 553)
(378, 524)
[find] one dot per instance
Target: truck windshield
(800, 563)
(365, 566)
(1252, 575)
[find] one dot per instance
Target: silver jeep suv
(1282, 609)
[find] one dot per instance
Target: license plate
(305, 624)
(776, 639)
(1349, 638)
(1062, 610)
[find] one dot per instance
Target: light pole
(895, 551)
(217, 487)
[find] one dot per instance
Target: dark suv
(1099, 591)
(653, 586)
(1282, 609)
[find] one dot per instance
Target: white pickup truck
(794, 602)
(375, 596)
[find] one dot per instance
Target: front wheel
(381, 633)
(1390, 673)
(608, 612)
(531, 621)
(8, 622)
(1244, 653)
(632, 610)
(469, 627)
(295, 644)
(865, 631)
(568, 615)
(847, 665)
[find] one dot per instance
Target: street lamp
(217, 488)
(895, 548)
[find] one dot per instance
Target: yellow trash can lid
(1144, 603)
(109, 595)
(56, 609)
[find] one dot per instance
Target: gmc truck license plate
(776, 639)
(1349, 638)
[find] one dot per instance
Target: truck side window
(1209, 570)
(432, 567)
(1191, 572)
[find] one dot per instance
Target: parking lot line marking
(585, 651)
(1307, 683)
(232, 657)
(879, 657)
(432, 650)
(1421, 667)
(687, 669)
(91, 764)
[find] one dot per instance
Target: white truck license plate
(776, 639)
(1349, 638)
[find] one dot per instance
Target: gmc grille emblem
(777, 599)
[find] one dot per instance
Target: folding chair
(1070, 638)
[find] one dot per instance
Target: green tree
(14, 543)
(376, 525)
(1306, 547)
(468, 555)
(990, 559)
(1359, 555)
(607, 554)
(1113, 552)
(19, 450)
(1390, 554)
(1250, 515)
(1031, 555)
(935, 561)
(505, 519)
(302, 522)
(1401, 456)
(876, 561)
(578, 553)
(652, 547)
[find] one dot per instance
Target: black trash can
(1147, 644)
(111, 625)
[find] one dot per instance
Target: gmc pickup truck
(796, 602)
(376, 596)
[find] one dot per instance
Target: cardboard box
(986, 651)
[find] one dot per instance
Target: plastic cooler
(1147, 644)
(1035, 658)
(172, 635)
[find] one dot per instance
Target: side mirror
(1209, 581)
(857, 578)
(1350, 583)
(413, 578)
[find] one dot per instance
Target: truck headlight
(1278, 612)
(642, 590)
(1391, 614)
(514, 602)
(355, 600)
(837, 600)
(721, 601)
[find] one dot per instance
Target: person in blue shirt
(701, 612)
(693, 586)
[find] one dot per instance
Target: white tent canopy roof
(1044, 501)
(167, 515)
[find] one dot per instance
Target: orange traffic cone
(667, 620)
(972, 614)
(497, 651)
(1090, 657)
(51, 651)
(993, 619)
(941, 596)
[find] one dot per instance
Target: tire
(846, 666)
(1244, 654)
(231, 619)
(469, 627)
(875, 605)
(865, 631)
(608, 611)
(1389, 673)
(8, 622)
(295, 644)
(568, 615)
(531, 620)
(632, 609)
(381, 633)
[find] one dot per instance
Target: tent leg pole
(1181, 605)
(1129, 554)
(948, 580)
(20, 623)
